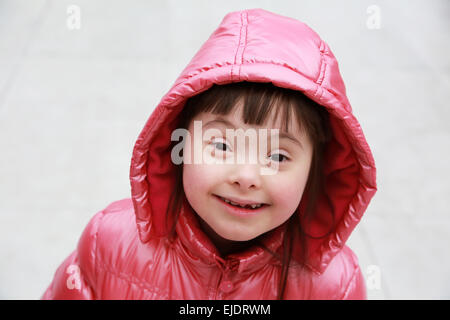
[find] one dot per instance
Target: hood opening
(348, 163)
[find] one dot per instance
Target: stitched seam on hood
(245, 43)
(323, 64)
(242, 32)
(235, 57)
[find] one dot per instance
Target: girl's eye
(278, 157)
(220, 146)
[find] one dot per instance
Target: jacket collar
(201, 247)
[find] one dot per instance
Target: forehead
(275, 119)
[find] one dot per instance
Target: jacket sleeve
(356, 289)
(75, 277)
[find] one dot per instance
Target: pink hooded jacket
(123, 252)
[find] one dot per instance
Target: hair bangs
(263, 103)
(268, 107)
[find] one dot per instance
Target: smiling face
(210, 187)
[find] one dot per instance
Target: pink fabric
(123, 252)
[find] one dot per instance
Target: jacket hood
(259, 46)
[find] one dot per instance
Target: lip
(243, 202)
(241, 212)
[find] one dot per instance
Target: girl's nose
(246, 176)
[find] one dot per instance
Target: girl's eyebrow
(281, 135)
(285, 135)
(222, 121)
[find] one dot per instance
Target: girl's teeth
(240, 205)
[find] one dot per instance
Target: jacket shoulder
(121, 260)
(113, 227)
(342, 279)
(76, 278)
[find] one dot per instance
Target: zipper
(220, 263)
(216, 288)
(225, 266)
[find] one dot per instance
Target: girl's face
(206, 184)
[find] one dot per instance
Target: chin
(237, 236)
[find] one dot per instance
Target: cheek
(192, 179)
(288, 193)
(288, 197)
(198, 181)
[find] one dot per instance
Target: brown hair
(259, 101)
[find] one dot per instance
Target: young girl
(212, 227)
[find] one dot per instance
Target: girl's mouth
(241, 209)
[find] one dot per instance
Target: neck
(224, 246)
